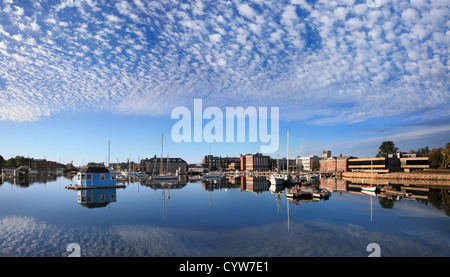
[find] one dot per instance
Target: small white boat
(213, 175)
(121, 178)
(369, 188)
(141, 175)
(277, 179)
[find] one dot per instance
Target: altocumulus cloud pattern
(340, 61)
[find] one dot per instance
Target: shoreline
(399, 176)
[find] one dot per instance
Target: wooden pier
(76, 187)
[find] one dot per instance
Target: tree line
(19, 161)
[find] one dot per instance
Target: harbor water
(237, 217)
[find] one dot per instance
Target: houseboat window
(111, 197)
(89, 176)
(79, 176)
(102, 177)
(83, 177)
(112, 177)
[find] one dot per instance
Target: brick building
(169, 165)
(42, 165)
(221, 163)
(255, 162)
(332, 164)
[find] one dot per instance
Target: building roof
(94, 169)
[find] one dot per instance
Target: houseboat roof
(94, 169)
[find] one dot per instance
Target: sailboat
(212, 175)
(164, 176)
(283, 178)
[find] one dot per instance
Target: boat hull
(369, 188)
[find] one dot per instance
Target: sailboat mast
(109, 149)
(161, 167)
(287, 153)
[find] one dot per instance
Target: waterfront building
(378, 165)
(307, 163)
(413, 162)
(255, 162)
(96, 176)
(169, 165)
(392, 163)
(334, 164)
(44, 166)
(280, 164)
(214, 163)
(7, 172)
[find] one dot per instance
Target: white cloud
(247, 11)
(339, 62)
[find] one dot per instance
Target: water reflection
(436, 193)
(96, 198)
(25, 182)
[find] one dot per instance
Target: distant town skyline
(345, 75)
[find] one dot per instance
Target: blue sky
(345, 75)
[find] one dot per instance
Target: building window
(79, 177)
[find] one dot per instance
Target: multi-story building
(391, 163)
(167, 165)
(412, 162)
(378, 165)
(42, 165)
(255, 162)
(332, 164)
(214, 163)
(307, 163)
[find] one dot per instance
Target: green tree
(436, 158)
(386, 148)
(2, 162)
(446, 155)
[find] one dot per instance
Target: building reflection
(179, 183)
(255, 184)
(25, 182)
(390, 191)
(96, 198)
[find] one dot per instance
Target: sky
(76, 75)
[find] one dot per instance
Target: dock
(76, 187)
(299, 192)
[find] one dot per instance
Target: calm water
(227, 218)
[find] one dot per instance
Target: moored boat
(369, 188)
